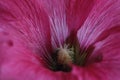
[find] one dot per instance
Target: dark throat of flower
(66, 56)
(71, 53)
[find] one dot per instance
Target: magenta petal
(23, 34)
(57, 17)
(102, 30)
(28, 20)
(24, 65)
(109, 67)
(101, 23)
(77, 12)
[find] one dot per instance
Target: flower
(59, 40)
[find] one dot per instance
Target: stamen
(67, 55)
(64, 57)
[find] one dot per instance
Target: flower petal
(24, 32)
(101, 23)
(109, 67)
(77, 12)
(57, 16)
(28, 20)
(24, 65)
(102, 30)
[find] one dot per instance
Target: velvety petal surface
(66, 17)
(77, 11)
(101, 31)
(24, 35)
(28, 20)
(57, 18)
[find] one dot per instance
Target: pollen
(64, 57)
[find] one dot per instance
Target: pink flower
(59, 39)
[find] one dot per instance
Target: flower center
(66, 56)
(63, 57)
